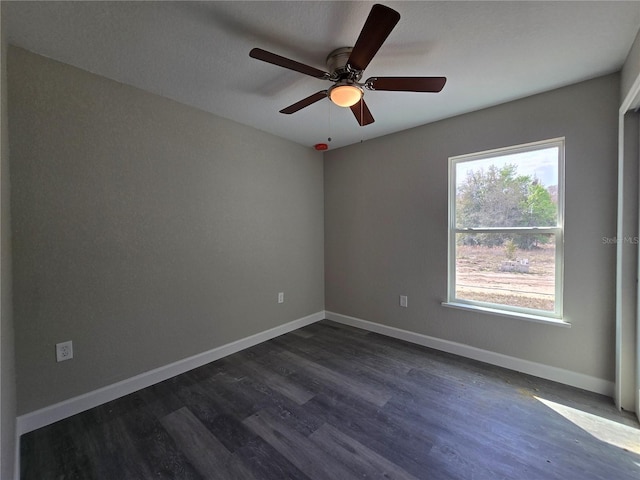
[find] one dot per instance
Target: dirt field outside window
(479, 276)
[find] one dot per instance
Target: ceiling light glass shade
(345, 95)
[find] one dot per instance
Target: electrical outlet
(403, 301)
(64, 351)
(281, 297)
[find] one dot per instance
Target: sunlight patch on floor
(613, 433)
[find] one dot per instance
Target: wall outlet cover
(64, 351)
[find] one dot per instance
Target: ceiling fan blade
(362, 113)
(305, 102)
(377, 27)
(406, 84)
(280, 61)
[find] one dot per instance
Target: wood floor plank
(229, 430)
(329, 326)
(296, 417)
(406, 445)
(165, 460)
(114, 451)
(353, 386)
(285, 386)
(64, 457)
(267, 463)
(254, 393)
(204, 451)
(296, 448)
(322, 347)
(224, 400)
(303, 333)
(196, 399)
(458, 445)
(365, 462)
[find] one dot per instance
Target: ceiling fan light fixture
(345, 95)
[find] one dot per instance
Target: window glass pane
(506, 269)
(515, 190)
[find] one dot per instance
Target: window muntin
(506, 229)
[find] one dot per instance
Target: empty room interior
(320, 240)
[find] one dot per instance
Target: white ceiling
(198, 53)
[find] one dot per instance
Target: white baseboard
(48, 415)
(555, 374)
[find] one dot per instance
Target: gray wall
(7, 370)
(147, 231)
(386, 227)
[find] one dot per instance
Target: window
(506, 230)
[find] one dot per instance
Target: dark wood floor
(332, 402)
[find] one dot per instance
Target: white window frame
(555, 317)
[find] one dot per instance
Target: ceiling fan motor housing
(337, 64)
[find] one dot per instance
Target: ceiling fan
(346, 65)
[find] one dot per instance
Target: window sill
(505, 313)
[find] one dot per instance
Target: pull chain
(329, 107)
